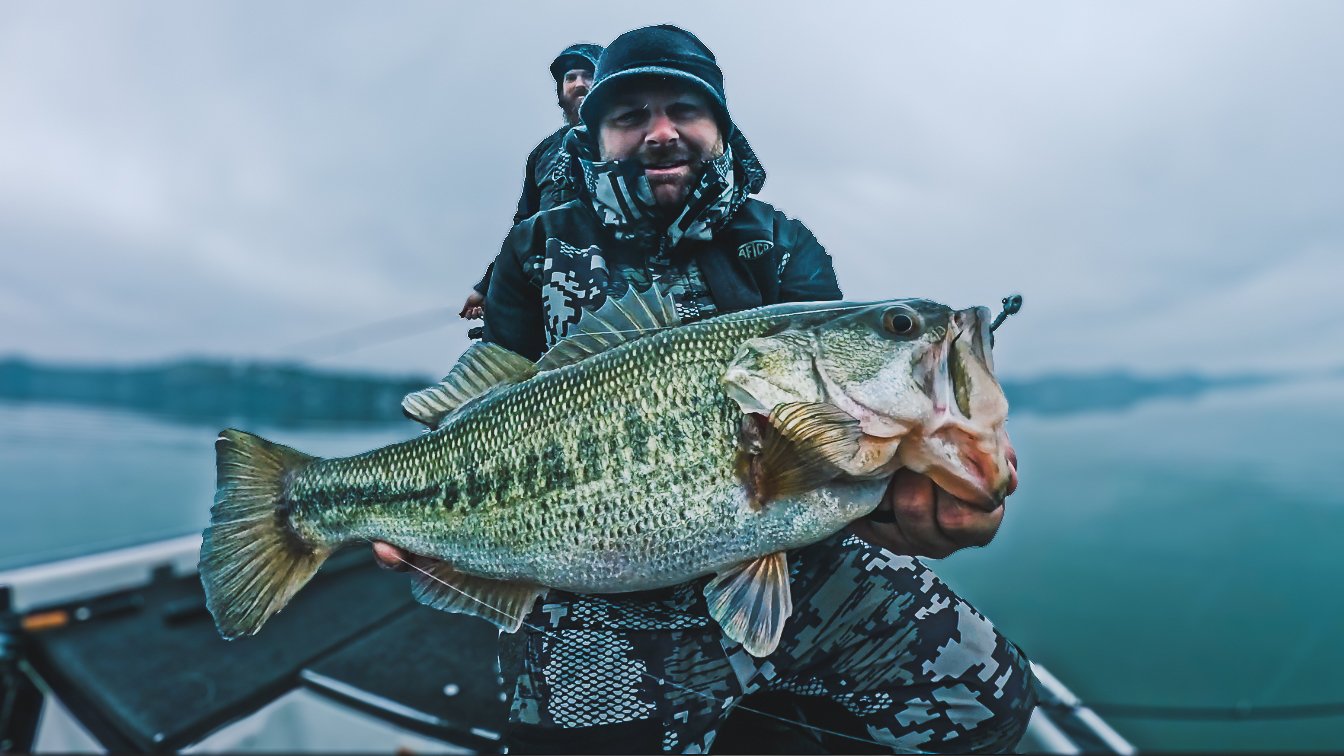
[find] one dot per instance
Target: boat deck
(123, 643)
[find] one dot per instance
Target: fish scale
(634, 455)
(535, 500)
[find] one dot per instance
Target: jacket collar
(620, 195)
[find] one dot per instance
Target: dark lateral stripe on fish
(337, 496)
(617, 464)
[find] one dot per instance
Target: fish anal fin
(505, 603)
(799, 447)
(751, 601)
(480, 369)
(633, 315)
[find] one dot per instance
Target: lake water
(1184, 552)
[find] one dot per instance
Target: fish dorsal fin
(633, 315)
(480, 369)
(799, 447)
(503, 602)
(751, 602)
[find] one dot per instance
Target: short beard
(570, 107)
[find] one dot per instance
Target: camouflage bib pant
(877, 633)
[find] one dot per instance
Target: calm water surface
(74, 481)
(1183, 552)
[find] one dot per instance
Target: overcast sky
(1164, 182)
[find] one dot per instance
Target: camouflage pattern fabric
(621, 197)
(573, 280)
(876, 632)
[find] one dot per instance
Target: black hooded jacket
(544, 184)
(565, 259)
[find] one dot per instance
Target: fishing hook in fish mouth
(1011, 305)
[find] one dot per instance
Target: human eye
(685, 110)
(628, 116)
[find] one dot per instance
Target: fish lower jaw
(974, 493)
(977, 473)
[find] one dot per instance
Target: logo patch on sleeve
(754, 249)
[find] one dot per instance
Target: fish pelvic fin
(505, 603)
(252, 561)
(481, 369)
(751, 601)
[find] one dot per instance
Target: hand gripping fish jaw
(911, 379)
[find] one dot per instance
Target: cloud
(234, 179)
(1284, 319)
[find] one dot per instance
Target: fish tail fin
(252, 561)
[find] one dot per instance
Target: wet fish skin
(589, 478)
(620, 472)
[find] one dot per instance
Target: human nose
(662, 131)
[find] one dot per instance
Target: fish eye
(901, 321)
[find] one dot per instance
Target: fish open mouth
(965, 447)
(928, 401)
(958, 376)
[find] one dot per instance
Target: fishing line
(752, 319)
(377, 327)
(534, 628)
(655, 678)
(1011, 306)
(1216, 713)
(382, 332)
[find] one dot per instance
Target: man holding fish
(679, 471)
(664, 178)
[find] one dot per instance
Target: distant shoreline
(217, 392)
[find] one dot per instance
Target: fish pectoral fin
(502, 602)
(479, 370)
(751, 602)
(806, 445)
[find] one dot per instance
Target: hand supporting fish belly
(633, 455)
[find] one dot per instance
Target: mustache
(669, 155)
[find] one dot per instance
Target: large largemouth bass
(633, 455)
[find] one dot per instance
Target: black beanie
(578, 55)
(660, 51)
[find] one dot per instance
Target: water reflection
(219, 394)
